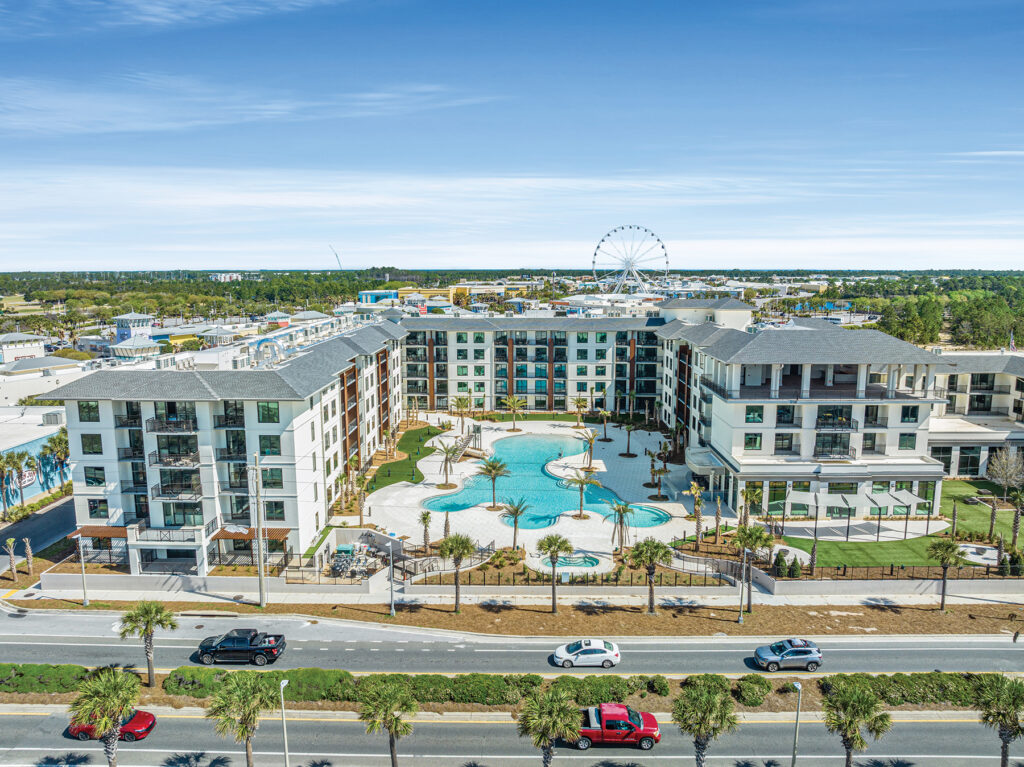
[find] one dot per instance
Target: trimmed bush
(486, 689)
(716, 682)
(431, 688)
(194, 681)
(787, 688)
(925, 688)
(658, 685)
(795, 571)
(752, 689)
(40, 677)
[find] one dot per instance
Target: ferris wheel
(630, 256)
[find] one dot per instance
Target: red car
(615, 724)
(135, 726)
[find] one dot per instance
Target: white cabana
(906, 498)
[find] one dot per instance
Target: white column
(929, 381)
(862, 381)
(892, 372)
(732, 377)
(134, 563)
(776, 380)
(202, 565)
(830, 375)
(805, 380)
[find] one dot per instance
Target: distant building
(226, 277)
(26, 429)
(373, 296)
(133, 324)
(20, 346)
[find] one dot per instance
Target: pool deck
(397, 508)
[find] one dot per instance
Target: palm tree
(553, 546)
(493, 468)
(142, 621)
(515, 405)
(18, 466)
(604, 420)
(704, 713)
(9, 548)
(104, 700)
(1001, 705)
(382, 708)
(648, 554)
(850, 711)
(946, 552)
(580, 403)
(582, 480)
(456, 548)
(514, 511)
(621, 512)
(5, 472)
(1017, 499)
(660, 474)
(588, 439)
(755, 538)
(57, 449)
(425, 521)
(630, 428)
(718, 520)
(461, 405)
(449, 454)
(546, 717)
(698, 508)
(237, 705)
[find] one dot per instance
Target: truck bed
(591, 718)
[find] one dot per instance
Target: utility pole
(258, 542)
(81, 559)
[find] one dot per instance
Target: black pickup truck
(242, 645)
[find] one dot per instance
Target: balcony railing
(229, 422)
(128, 421)
(705, 420)
(174, 460)
(175, 492)
(717, 388)
(793, 423)
(835, 454)
(131, 486)
(142, 532)
(130, 454)
(834, 424)
(235, 487)
(166, 426)
(230, 454)
(878, 422)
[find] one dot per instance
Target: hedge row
(924, 688)
(39, 677)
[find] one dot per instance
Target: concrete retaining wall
(889, 588)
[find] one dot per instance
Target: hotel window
(581, 354)
(908, 414)
(274, 510)
(970, 461)
(462, 386)
(462, 370)
(754, 414)
(783, 443)
(599, 386)
(752, 441)
(88, 411)
(92, 444)
(98, 508)
(95, 476)
(270, 444)
(462, 354)
(601, 337)
(460, 338)
(870, 442)
(582, 338)
(273, 479)
(784, 415)
(908, 441)
(540, 387)
(600, 354)
(478, 354)
(581, 386)
(478, 338)
(600, 370)
(179, 514)
(479, 386)
(268, 412)
(581, 371)
(479, 370)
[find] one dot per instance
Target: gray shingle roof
(1010, 363)
(309, 315)
(37, 363)
(13, 338)
(134, 316)
(705, 303)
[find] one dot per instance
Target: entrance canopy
(701, 460)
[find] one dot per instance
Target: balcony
(130, 454)
(705, 420)
(833, 424)
(128, 421)
(177, 492)
(231, 454)
(235, 487)
(878, 422)
(835, 454)
(174, 460)
(143, 533)
(136, 487)
(793, 423)
(167, 426)
(229, 422)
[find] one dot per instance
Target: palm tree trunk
(110, 745)
(515, 534)
(582, 488)
(149, 660)
(547, 755)
(554, 587)
(606, 429)
(21, 495)
(650, 590)
(942, 601)
(248, 753)
(849, 757)
(1016, 527)
(991, 519)
(458, 589)
(1004, 751)
(494, 492)
(393, 745)
(700, 751)
(628, 435)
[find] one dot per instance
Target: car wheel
(260, 660)
(583, 744)
(772, 667)
(206, 659)
(606, 664)
(646, 744)
(566, 664)
(129, 737)
(812, 666)
(82, 735)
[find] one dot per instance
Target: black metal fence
(895, 572)
(626, 578)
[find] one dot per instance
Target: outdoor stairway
(463, 444)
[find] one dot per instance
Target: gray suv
(789, 653)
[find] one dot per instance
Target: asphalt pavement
(43, 527)
(185, 739)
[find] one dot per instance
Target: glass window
(600, 354)
(784, 414)
(98, 508)
(581, 354)
(268, 412)
(92, 444)
(478, 338)
(581, 371)
(478, 370)
(908, 414)
(270, 444)
(479, 386)
(944, 454)
(273, 479)
(752, 441)
(88, 411)
(273, 510)
(869, 442)
(926, 490)
(581, 386)
(970, 461)
(463, 386)
(601, 338)
(541, 387)
(461, 338)
(582, 338)
(600, 370)
(178, 514)
(879, 487)
(478, 354)
(847, 488)
(755, 414)
(95, 476)
(462, 354)
(462, 370)
(783, 443)
(908, 441)
(776, 497)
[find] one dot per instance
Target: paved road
(92, 640)
(186, 740)
(43, 528)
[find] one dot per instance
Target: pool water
(578, 560)
(547, 497)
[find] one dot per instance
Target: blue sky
(468, 133)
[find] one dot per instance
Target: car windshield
(128, 717)
(609, 646)
(778, 648)
(575, 647)
(634, 717)
(220, 639)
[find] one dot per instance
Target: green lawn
(406, 469)
(974, 518)
(912, 551)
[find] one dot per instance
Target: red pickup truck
(617, 724)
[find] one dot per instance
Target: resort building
(20, 346)
(164, 460)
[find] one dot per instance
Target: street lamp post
(391, 577)
(796, 726)
(743, 580)
(284, 724)
(81, 559)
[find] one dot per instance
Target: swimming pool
(526, 457)
(577, 560)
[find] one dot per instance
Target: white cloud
(145, 102)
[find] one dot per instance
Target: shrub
(312, 684)
(715, 682)
(795, 571)
(1016, 564)
(487, 689)
(1004, 566)
(779, 566)
(787, 688)
(431, 688)
(752, 689)
(196, 682)
(37, 677)
(658, 685)
(925, 688)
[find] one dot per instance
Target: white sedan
(587, 652)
